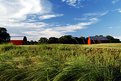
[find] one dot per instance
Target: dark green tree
(25, 40)
(109, 37)
(32, 42)
(53, 40)
(80, 40)
(43, 40)
(112, 39)
(4, 36)
(68, 39)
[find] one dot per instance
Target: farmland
(58, 62)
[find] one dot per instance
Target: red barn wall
(17, 42)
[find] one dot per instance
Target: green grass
(53, 62)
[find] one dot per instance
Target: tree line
(68, 39)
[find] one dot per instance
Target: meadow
(58, 62)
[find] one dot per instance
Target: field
(99, 62)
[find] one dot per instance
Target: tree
(112, 39)
(43, 40)
(25, 40)
(68, 39)
(4, 36)
(99, 36)
(53, 40)
(32, 42)
(80, 40)
(116, 41)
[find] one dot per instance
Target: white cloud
(43, 33)
(13, 16)
(78, 26)
(118, 37)
(59, 30)
(92, 16)
(74, 3)
(17, 10)
(110, 27)
(50, 16)
(97, 14)
(20, 8)
(119, 10)
(115, 1)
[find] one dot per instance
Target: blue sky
(54, 18)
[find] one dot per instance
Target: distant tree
(32, 42)
(99, 36)
(68, 39)
(4, 36)
(112, 39)
(25, 40)
(83, 40)
(78, 40)
(109, 37)
(116, 41)
(43, 40)
(53, 40)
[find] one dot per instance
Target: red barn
(18, 40)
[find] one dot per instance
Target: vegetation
(4, 36)
(68, 39)
(58, 62)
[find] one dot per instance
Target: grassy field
(99, 62)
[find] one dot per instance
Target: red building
(18, 40)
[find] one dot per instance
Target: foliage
(81, 40)
(25, 40)
(4, 36)
(67, 39)
(53, 40)
(112, 39)
(43, 40)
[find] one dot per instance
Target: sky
(55, 18)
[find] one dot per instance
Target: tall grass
(59, 63)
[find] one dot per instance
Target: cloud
(20, 16)
(43, 33)
(87, 19)
(118, 37)
(119, 10)
(91, 16)
(18, 10)
(97, 14)
(110, 27)
(49, 16)
(59, 30)
(74, 3)
(115, 1)
(78, 26)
